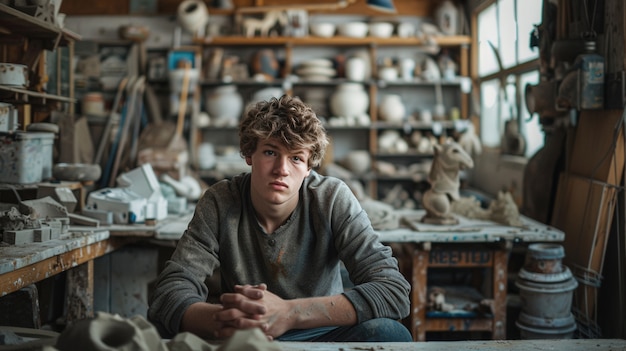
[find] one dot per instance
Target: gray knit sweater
(300, 259)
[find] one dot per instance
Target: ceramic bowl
(324, 30)
(76, 171)
(353, 29)
(381, 29)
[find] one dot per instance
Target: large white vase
(349, 100)
(224, 105)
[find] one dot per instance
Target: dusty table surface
(488, 345)
(468, 230)
(13, 257)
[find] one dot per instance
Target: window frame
(517, 71)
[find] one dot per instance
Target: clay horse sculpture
(263, 26)
(449, 159)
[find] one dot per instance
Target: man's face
(277, 172)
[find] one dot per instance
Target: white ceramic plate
(320, 62)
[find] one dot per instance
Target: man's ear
(249, 160)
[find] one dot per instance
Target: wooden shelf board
(36, 94)
(20, 23)
(333, 41)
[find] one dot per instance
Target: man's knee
(385, 330)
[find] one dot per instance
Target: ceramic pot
(349, 100)
(355, 69)
(224, 105)
(193, 15)
(407, 66)
(391, 108)
(447, 16)
(357, 161)
(265, 63)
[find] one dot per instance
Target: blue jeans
(374, 330)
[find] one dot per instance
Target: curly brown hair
(287, 119)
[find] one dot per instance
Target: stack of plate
(319, 70)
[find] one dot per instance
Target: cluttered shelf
(20, 23)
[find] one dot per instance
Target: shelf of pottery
(387, 97)
(31, 36)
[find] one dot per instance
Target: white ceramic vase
(355, 69)
(224, 104)
(349, 100)
(391, 108)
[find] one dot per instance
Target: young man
(278, 236)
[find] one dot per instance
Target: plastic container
(25, 157)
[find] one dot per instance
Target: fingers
(242, 303)
(251, 291)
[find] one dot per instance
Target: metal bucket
(546, 288)
(547, 300)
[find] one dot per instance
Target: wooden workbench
(22, 265)
(509, 345)
(500, 345)
(469, 244)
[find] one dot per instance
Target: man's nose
(280, 166)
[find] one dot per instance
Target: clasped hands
(252, 306)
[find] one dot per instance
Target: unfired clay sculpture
(501, 210)
(450, 158)
(108, 332)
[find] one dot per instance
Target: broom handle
(182, 106)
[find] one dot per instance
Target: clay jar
(355, 69)
(391, 109)
(265, 63)
(224, 105)
(349, 100)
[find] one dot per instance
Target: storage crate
(25, 157)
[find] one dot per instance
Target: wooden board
(584, 211)
(122, 7)
(598, 147)
(586, 198)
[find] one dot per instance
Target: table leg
(500, 282)
(418, 293)
(79, 293)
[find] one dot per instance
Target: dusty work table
(468, 244)
(509, 345)
(74, 252)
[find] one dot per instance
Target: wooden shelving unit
(24, 40)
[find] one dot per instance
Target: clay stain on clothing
(277, 266)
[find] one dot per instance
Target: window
(505, 65)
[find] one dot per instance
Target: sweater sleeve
(380, 289)
(182, 281)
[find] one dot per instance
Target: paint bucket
(546, 287)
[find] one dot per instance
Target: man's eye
(269, 152)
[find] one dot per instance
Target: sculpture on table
(449, 159)
(264, 25)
